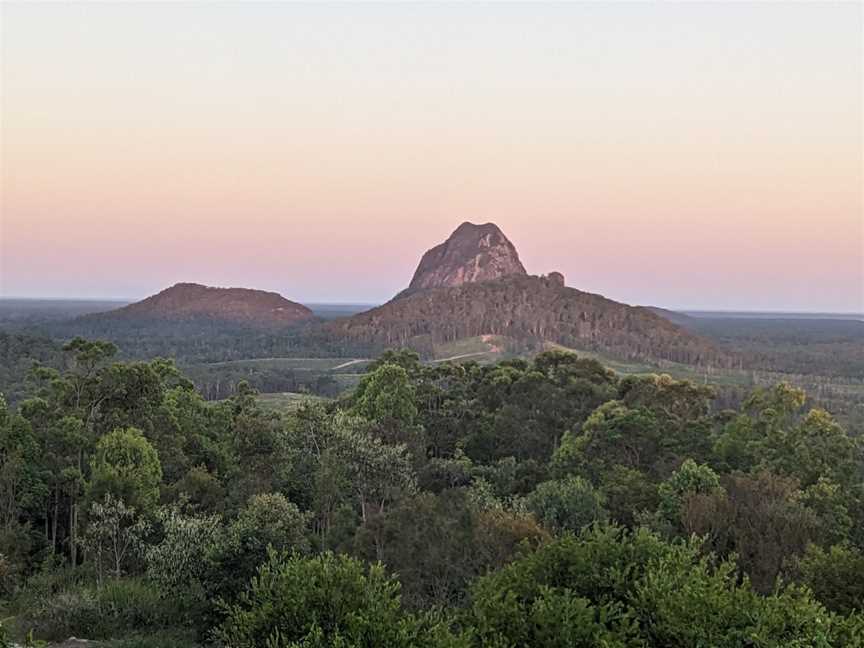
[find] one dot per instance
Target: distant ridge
(681, 319)
(186, 301)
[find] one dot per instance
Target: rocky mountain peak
(473, 253)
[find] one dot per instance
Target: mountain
(474, 285)
(190, 301)
(527, 309)
(471, 254)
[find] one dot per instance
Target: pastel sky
(685, 155)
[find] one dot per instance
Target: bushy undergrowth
(117, 608)
(158, 640)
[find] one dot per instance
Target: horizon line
(678, 309)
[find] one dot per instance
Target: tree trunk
(54, 520)
(73, 537)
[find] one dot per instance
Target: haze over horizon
(686, 156)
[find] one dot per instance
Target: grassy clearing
(287, 402)
(308, 364)
(674, 369)
(484, 348)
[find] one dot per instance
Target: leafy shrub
(159, 640)
(567, 504)
(836, 576)
(690, 479)
(5, 641)
(180, 558)
(9, 576)
(134, 603)
(127, 466)
(119, 607)
(328, 600)
(268, 520)
(71, 612)
(52, 578)
(609, 587)
(114, 534)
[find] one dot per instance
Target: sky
(685, 155)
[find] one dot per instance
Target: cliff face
(472, 253)
(194, 301)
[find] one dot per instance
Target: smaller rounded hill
(184, 301)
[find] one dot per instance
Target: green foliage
(386, 394)
(674, 400)
(126, 466)
(817, 447)
(166, 639)
(607, 587)
(685, 600)
(547, 596)
(511, 421)
(202, 488)
(835, 576)
(771, 435)
(482, 488)
(120, 607)
(690, 479)
(23, 491)
(5, 640)
(267, 522)
(374, 471)
(830, 505)
(406, 358)
(509, 477)
(615, 435)
(178, 561)
(629, 493)
(761, 518)
(568, 504)
(258, 460)
(438, 543)
(114, 534)
(327, 600)
(18, 354)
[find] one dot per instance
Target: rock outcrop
(557, 278)
(472, 253)
(473, 284)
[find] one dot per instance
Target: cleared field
(287, 401)
(307, 364)
(674, 369)
(844, 396)
(484, 348)
(347, 381)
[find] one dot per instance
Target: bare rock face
(556, 278)
(239, 305)
(472, 254)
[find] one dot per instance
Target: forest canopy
(543, 502)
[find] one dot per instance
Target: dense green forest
(214, 380)
(543, 502)
(826, 347)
